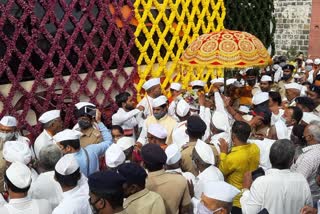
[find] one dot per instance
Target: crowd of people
(246, 144)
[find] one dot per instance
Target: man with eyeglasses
(308, 162)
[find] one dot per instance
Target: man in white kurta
(179, 135)
(18, 176)
(280, 190)
(52, 124)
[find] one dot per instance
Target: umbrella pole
(225, 82)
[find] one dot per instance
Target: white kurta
(276, 117)
(127, 120)
(44, 139)
(26, 206)
(264, 147)
(279, 191)
(74, 201)
(147, 103)
(179, 136)
(46, 187)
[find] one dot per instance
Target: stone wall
(293, 26)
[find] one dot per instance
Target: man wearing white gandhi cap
(75, 198)
(127, 146)
(52, 124)
(217, 197)
(9, 131)
(293, 90)
(179, 136)
(173, 162)
(204, 159)
(153, 90)
(114, 157)
(17, 181)
(160, 116)
(175, 90)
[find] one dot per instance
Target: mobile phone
(257, 173)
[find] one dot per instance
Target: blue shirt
(94, 152)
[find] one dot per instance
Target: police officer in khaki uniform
(139, 200)
(196, 128)
(173, 188)
(85, 113)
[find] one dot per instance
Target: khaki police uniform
(90, 136)
(144, 202)
(186, 157)
(173, 188)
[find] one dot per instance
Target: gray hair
(314, 129)
(49, 156)
(282, 154)
(48, 124)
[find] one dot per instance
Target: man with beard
(160, 116)
(286, 79)
(126, 114)
(265, 83)
(86, 113)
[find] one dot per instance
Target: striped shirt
(307, 164)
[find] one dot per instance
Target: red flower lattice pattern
(67, 41)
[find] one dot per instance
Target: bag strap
(88, 161)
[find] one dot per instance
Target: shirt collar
(274, 170)
(135, 196)
(156, 173)
(174, 170)
(19, 200)
(311, 147)
(47, 133)
(237, 148)
(69, 193)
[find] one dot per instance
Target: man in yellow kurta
(242, 158)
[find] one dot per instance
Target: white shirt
(26, 206)
(125, 119)
(276, 117)
(264, 147)
(74, 201)
(279, 191)
(188, 175)
(179, 136)
(215, 140)
(46, 187)
(146, 102)
(310, 78)
(44, 139)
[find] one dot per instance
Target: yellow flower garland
(185, 22)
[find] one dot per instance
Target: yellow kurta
(240, 160)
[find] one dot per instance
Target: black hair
(153, 166)
(252, 72)
(297, 113)
(114, 197)
(241, 130)
(275, 97)
(197, 87)
(265, 113)
(297, 131)
(68, 180)
(13, 188)
(122, 98)
(73, 143)
(281, 154)
(306, 102)
(193, 134)
(117, 127)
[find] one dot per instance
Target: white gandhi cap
(19, 175)
(175, 86)
(150, 83)
(293, 85)
(265, 78)
(67, 134)
(157, 130)
(197, 83)
(217, 80)
(317, 61)
(205, 152)
(8, 121)
(49, 115)
(260, 97)
(173, 154)
(79, 105)
(220, 190)
(220, 120)
(244, 109)
(182, 108)
(17, 151)
(67, 165)
(125, 142)
(114, 156)
(159, 101)
(308, 117)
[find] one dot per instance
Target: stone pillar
(314, 43)
(292, 25)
